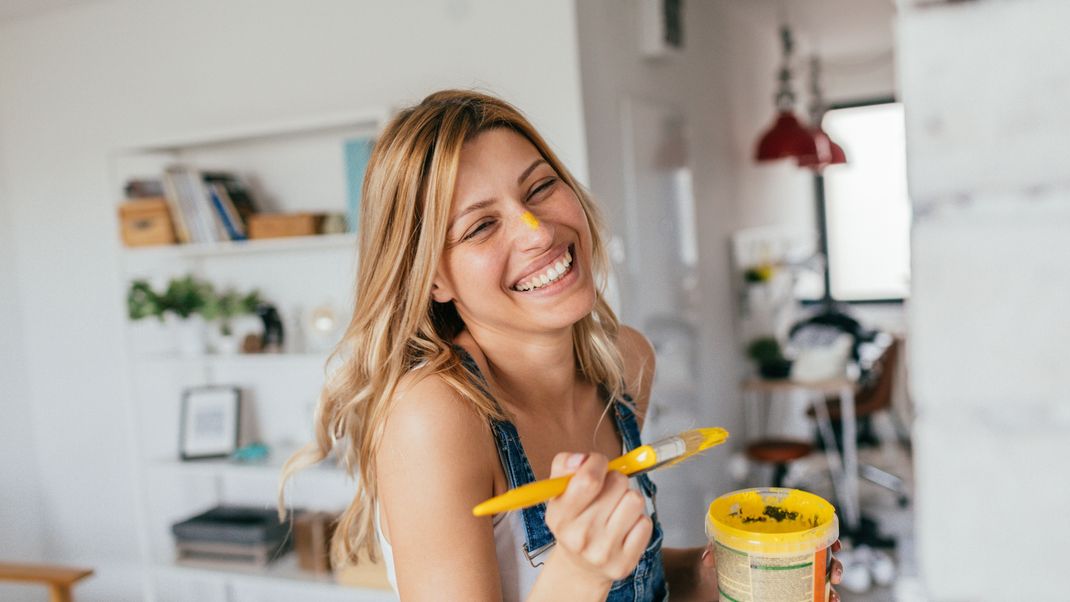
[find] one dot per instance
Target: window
(867, 211)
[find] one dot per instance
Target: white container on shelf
(190, 334)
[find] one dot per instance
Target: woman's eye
(547, 185)
(481, 227)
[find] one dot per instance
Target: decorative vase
(191, 338)
(227, 344)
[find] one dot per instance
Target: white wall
(21, 528)
(614, 73)
(82, 81)
(986, 128)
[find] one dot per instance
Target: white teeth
(551, 274)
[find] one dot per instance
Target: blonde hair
(396, 327)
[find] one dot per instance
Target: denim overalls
(647, 581)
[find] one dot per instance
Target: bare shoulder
(436, 451)
(639, 365)
(429, 420)
(422, 401)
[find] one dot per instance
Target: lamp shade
(787, 138)
(826, 152)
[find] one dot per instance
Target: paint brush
(645, 458)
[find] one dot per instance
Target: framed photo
(210, 422)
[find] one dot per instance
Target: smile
(548, 276)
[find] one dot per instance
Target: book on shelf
(208, 206)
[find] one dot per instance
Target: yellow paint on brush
(530, 219)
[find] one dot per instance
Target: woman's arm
(689, 573)
(437, 461)
(434, 465)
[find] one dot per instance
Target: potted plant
(179, 306)
(224, 307)
(766, 352)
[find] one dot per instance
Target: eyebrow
(486, 202)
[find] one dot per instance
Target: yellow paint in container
(772, 545)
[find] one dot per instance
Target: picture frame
(358, 152)
(210, 423)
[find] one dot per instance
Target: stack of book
(207, 206)
(235, 534)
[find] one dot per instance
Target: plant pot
(191, 337)
(227, 344)
(775, 369)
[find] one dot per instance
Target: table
(844, 469)
(59, 579)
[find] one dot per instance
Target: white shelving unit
(292, 165)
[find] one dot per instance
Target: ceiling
(832, 28)
(15, 9)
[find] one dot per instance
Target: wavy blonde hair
(396, 327)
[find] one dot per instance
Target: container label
(745, 577)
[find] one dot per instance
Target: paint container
(772, 545)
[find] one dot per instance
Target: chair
(875, 395)
(778, 452)
(59, 579)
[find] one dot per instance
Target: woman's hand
(708, 566)
(599, 522)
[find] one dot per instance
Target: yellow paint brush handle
(523, 496)
(541, 491)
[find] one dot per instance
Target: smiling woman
(481, 355)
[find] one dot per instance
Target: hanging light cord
(785, 97)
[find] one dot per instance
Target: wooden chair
(779, 453)
(59, 579)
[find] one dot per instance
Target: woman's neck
(533, 376)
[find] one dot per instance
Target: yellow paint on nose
(530, 220)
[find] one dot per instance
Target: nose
(531, 232)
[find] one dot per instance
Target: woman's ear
(440, 294)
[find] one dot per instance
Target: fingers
(566, 463)
(563, 512)
(708, 559)
(837, 572)
(625, 507)
(634, 546)
(598, 520)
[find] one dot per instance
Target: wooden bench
(59, 579)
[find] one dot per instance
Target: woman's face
(502, 271)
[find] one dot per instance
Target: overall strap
(517, 470)
(628, 427)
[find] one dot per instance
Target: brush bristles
(697, 441)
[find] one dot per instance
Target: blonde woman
(481, 355)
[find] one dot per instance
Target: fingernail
(575, 460)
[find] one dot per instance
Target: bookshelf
(292, 165)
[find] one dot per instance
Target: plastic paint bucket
(772, 545)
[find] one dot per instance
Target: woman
(481, 356)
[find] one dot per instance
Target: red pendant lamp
(827, 152)
(787, 138)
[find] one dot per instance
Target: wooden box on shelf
(312, 540)
(278, 225)
(145, 222)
